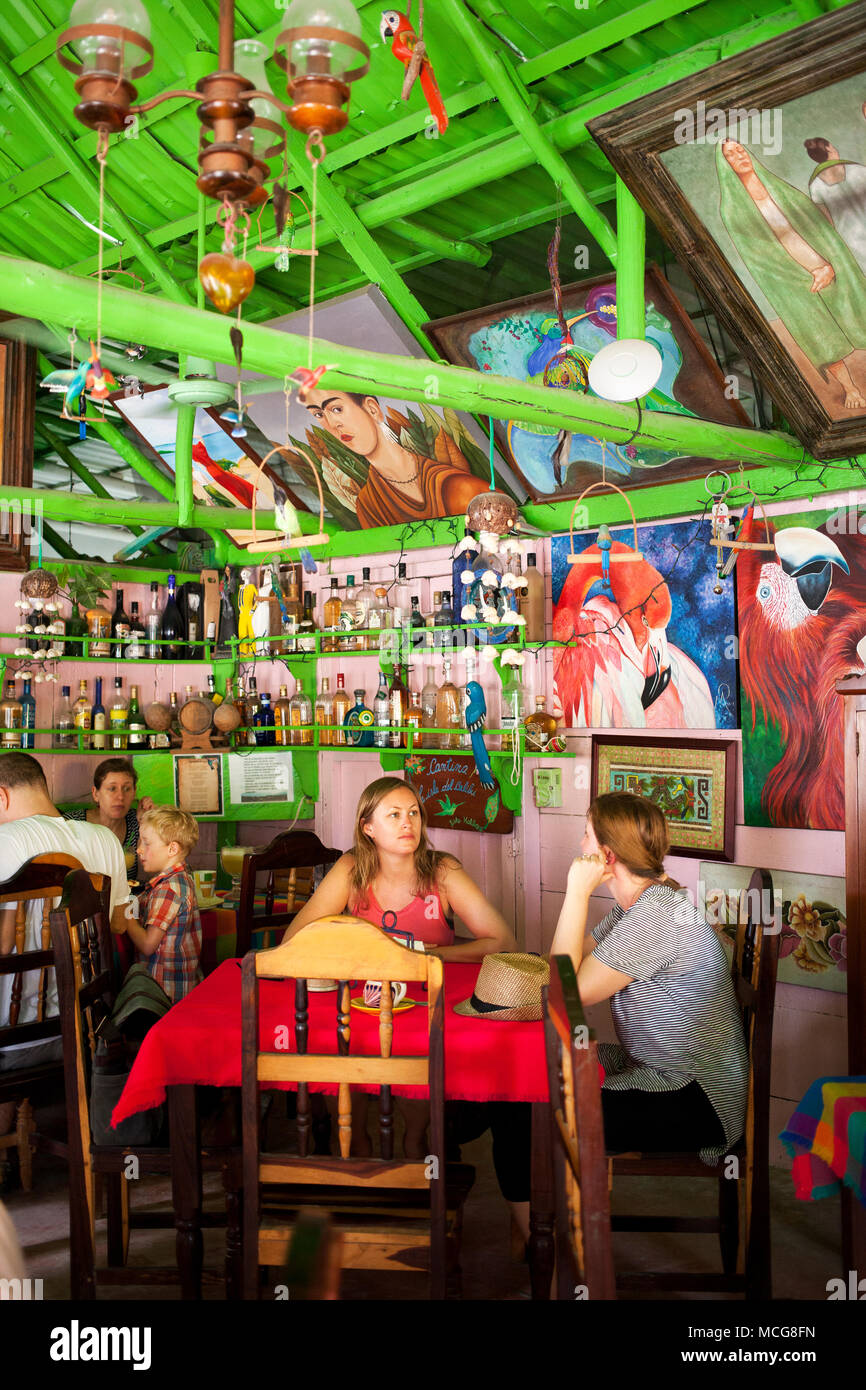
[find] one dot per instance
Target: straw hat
(508, 988)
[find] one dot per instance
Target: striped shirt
(169, 902)
(678, 1020)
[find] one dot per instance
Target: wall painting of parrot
(456, 797)
(802, 617)
(523, 338)
(658, 653)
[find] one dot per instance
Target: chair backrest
(40, 879)
(83, 960)
(583, 1241)
(753, 970)
(289, 862)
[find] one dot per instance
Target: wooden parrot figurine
(411, 52)
(476, 716)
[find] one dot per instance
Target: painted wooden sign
(454, 798)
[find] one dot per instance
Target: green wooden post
(631, 247)
(183, 464)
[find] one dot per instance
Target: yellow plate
(205, 903)
(358, 1003)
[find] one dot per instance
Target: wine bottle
(333, 609)
(97, 719)
(137, 726)
(306, 640)
(81, 709)
(118, 718)
(193, 625)
(64, 721)
(171, 626)
(152, 624)
(28, 716)
(120, 626)
(134, 650)
(340, 706)
(382, 712)
(398, 702)
(11, 718)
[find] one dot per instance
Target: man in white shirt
(838, 187)
(30, 824)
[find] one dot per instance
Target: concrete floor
(806, 1240)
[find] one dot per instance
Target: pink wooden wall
(523, 874)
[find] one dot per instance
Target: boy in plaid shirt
(168, 932)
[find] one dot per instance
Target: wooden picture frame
(701, 817)
(805, 340)
(511, 341)
(17, 408)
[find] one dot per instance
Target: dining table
(198, 1043)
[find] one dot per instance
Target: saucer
(205, 903)
(358, 1003)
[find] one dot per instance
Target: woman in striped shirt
(677, 1079)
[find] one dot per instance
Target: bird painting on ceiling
(802, 617)
(409, 48)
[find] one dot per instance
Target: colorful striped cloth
(826, 1137)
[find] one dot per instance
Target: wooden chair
(41, 878)
(584, 1260)
(389, 1213)
(743, 1221)
(290, 861)
(312, 1271)
(81, 939)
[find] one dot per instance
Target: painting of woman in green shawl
(802, 265)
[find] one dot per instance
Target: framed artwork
(801, 618)
(753, 172)
(382, 461)
(693, 781)
(521, 338)
(809, 912)
(17, 406)
(198, 784)
(655, 652)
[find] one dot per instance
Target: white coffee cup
(373, 993)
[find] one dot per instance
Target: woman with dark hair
(392, 875)
(113, 791)
(678, 1079)
(400, 485)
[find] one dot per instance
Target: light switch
(547, 787)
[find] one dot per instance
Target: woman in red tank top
(394, 878)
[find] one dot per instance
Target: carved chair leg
(729, 1222)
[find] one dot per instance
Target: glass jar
(99, 631)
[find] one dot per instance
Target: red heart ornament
(227, 280)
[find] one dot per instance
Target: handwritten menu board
(454, 798)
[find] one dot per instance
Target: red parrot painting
(625, 673)
(238, 487)
(802, 615)
(398, 27)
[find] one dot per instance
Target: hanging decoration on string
(568, 368)
(409, 49)
(723, 537)
(227, 279)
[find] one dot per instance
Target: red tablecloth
(199, 1041)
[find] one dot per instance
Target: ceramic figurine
(247, 600)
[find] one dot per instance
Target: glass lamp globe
(249, 60)
(318, 56)
(106, 52)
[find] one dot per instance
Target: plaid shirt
(169, 903)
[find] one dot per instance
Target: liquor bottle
(513, 710)
(28, 716)
(10, 718)
(381, 613)
(414, 717)
(137, 726)
(265, 735)
(98, 630)
(212, 693)
(283, 719)
(349, 617)
(291, 619)
(152, 624)
(253, 707)
(64, 721)
(428, 708)
(381, 713)
(532, 602)
(97, 718)
(118, 718)
(400, 599)
(120, 626)
(81, 709)
(324, 714)
(540, 727)
(471, 675)
(333, 609)
(135, 650)
(449, 711)
(193, 627)
(359, 723)
(171, 626)
(398, 704)
(430, 618)
(416, 617)
(444, 621)
(240, 702)
(277, 622)
(306, 640)
(366, 603)
(301, 716)
(340, 706)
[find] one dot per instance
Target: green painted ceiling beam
(630, 266)
(344, 225)
(28, 288)
(512, 96)
(446, 248)
(57, 542)
(74, 506)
